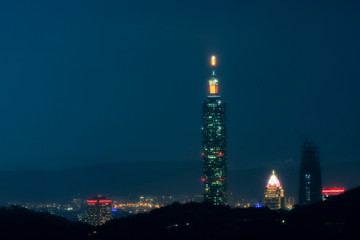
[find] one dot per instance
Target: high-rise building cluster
(215, 155)
(99, 209)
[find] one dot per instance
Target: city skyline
(75, 120)
(179, 119)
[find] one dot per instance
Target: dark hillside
(20, 223)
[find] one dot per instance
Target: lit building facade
(98, 210)
(310, 174)
(330, 192)
(214, 144)
(274, 194)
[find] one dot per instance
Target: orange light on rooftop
(213, 82)
(213, 61)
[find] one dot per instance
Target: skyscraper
(310, 174)
(214, 144)
(274, 194)
(98, 210)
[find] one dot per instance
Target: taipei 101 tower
(214, 144)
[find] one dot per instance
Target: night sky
(84, 82)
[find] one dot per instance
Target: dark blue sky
(104, 81)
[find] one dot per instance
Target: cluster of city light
(46, 205)
(134, 205)
(243, 205)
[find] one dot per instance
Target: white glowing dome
(273, 181)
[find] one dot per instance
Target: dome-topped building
(274, 194)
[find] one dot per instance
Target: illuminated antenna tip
(213, 61)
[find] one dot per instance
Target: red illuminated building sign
(329, 192)
(100, 201)
(333, 190)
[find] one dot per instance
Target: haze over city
(114, 81)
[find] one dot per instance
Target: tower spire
(213, 82)
(213, 61)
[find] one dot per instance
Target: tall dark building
(310, 174)
(214, 145)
